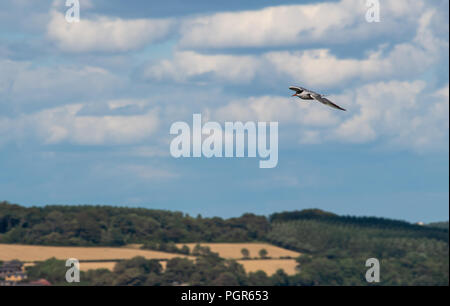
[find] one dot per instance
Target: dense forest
(334, 247)
(114, 226)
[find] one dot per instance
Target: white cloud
(316, 67)
(123, 103)
(293, 25)
(189, 64)
(65, 124)
(25, 82)
(331, 22)
(106, 34)
(321, 68)
(383, 108)
(398, 113)
(310, 137)
(403, 114)
(269, 108)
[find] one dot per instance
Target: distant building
(11, 273)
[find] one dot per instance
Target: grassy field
(233, 250)
(106, 257)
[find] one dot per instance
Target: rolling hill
(333, 248)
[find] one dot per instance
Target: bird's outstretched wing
(325, 101)
(297, 89)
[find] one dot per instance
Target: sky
(86, 108)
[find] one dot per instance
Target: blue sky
(85, 108)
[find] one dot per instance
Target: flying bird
(306, 94)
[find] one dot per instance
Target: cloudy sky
(85, 108)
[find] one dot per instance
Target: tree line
(115, 226)
(207, 270)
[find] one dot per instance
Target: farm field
(233, 250)
(31, 253)
(270, 266)
(109, 265)
(107, 257)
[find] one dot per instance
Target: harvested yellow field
(135, 246)
(109, 265)
(31, 253)
(270, 266)
(107, 256)
(233, 250)
(85, 266)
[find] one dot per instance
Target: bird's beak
(294, 95)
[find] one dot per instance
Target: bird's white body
(305, 96)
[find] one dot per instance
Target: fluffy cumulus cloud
(314, 67)
(403, 112)
(68, 124)
(385, 84)
(292, 25)
(26, 83)
(322, 68)
(191, 65)
(330, 22)
(105, 34)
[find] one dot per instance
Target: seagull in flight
(306, 94)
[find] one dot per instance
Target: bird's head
(297, 92)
